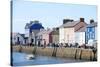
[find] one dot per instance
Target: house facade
(18, 38)
(80, 36)
(55, 35)
(68, 29)
(27, 34)
(44, 37)
(31, 29)
(91, 31)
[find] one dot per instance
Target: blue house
(91, 31)
(35, 25)
(31, 29)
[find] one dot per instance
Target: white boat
(30, 56)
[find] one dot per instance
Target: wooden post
(76, 54)
(80, 54)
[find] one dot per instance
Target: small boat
(30, 57)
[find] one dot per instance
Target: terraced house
(80, 36)
(55, 35)
(68, 28)
(44, 37)
(31, 29)
(91, 31)
(18, 39)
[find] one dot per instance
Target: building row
(69, 32)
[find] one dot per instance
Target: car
(92, 43)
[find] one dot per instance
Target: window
(93, 35)
(88, 30)
(93, 30)
(32, 40)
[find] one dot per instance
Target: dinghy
(30, 57)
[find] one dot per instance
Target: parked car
(92, 44)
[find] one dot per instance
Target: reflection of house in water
(91, 31)
(44, 37)
(68, 29)
(18, 38)
(31, 29)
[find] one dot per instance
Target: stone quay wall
(62, 52)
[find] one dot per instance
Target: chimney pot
(67, 20)
(91, 21)
(81, 19)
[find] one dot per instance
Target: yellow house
(68, 29)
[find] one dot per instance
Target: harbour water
(19, 59)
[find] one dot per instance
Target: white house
(31, 29)
(80, 36)
(18, 38)
(27, 33)
(68, 28)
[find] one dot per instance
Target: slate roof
(44, 32)
(34, 25)
(23, 35)
(83, 29)
(55, 32)
(16, 34)
(70, 24)
(92, 24)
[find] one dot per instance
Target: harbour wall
(62, 52)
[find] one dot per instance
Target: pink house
(44, 37)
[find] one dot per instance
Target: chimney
(67, 20)
(31, 22)
(35, 21)
(55, 29)
(81, 19)
(91, 21)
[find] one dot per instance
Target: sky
(49, 14)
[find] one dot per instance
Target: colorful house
(44, 37)
(91, 31)
(68, 29)
(55, 35)
(18, 38)
(31, 29)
